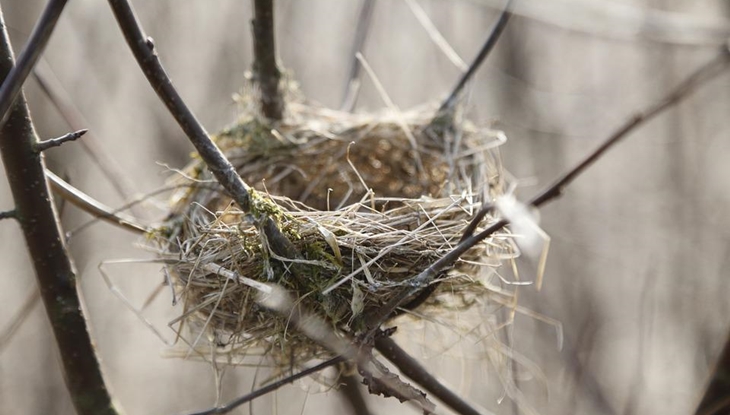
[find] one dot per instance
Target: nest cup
(369, 201)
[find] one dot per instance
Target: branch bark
(266, 73)
(54, 271)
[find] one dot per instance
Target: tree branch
(352, 88)
(144, 52)
(270, 388)
(27, 59)
(448, 105)
(556, 189)
(8, 214)
(417, 373)
(54, 271)
(56, 142)
(266, 73)
(716, 399)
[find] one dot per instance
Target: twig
(93, 207)
(75, 120)
(54, 271)
(556, 189)
(417, 373)
(448, 105)
(56, 142)
(144, 52)
(270, 388)
(8, 214)
(266, 72)
(352, 88)
(27, 59)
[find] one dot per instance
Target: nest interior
(369, 201)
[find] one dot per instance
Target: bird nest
(368, 202)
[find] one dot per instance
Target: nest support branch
(266, 73)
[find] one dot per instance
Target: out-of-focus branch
(716, 399)
(556, 189)
(27, 59)
(270, 388)
(93, 207)
(55, 274)
(352, 88)
(266, 73)
(447, 106)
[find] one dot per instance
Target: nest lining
(371, 200)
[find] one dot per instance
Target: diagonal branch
(270, 388)
(448, 105)
(27, 59)
(266, 73)
(144, 52)
(352, 88)
(54, 271)
(556, 189)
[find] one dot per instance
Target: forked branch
(422, 280)
(56, 277)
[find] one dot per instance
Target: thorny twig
(266, 73)
(38, 220)
(27, 59)
(556, 189)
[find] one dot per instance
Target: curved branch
(54, 271)
(27, 59)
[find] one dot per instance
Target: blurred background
(637, 272)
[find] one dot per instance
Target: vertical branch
(35, 212)
(266, 73)
(365, 16)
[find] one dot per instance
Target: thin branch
(270, 388)
(75, 120)
(448, 105)
(556, 189)
(93, 207)
(417, 373)
(55, 273)
(352, 88)
(27, 59)
(8, 214)
(56, 142)
(144, 52)
(266, 73)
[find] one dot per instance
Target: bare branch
(351, 390)
(93, 207)
(27, 59)
(56, 142)
(54, 271)
(270, 388)
(144, 52)
(266, 72)
(352, 88)
(422, 280)
(8, 214)
(448, 105)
